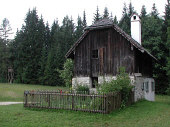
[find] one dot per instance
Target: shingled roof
(108, 23)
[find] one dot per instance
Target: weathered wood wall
(114, 51)
(143, 63)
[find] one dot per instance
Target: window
(95, 53)
(147, 86)
(153, 86)
(143, 86)
(94, 81)
(134, 17)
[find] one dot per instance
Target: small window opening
(147, 86)
(153, 86)
(94, 81)
(143, 86)
(95, 53)
(134, 17)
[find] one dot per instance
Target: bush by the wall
(121, 84)
(82, 89)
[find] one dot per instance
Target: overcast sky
(15, 10)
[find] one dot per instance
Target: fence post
(72, 101)
(107, 108)
(49, 99)
(26, 98)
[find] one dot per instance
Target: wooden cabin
(103, 49)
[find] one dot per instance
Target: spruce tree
(154, 11)
(130, 10)
(84, 20)
(96, 15)
(3, 60)
(41, 50)
(5, 30)
(165, 23)
(54, 29)
(168, 56)
(67, 30)
(152, 41)
(79, 28)
(144, 20)
(125, 20)
(115, 20)
(28, 45)
(17, 55)
(111, 16)
(106, 13)
(143, 12)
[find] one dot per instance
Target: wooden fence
(97, 103)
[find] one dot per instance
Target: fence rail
(99, 103)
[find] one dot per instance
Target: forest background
(38, 51)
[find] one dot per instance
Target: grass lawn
(15, 92)
(141, 114)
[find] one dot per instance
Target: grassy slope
(141, 114)
(15, 92)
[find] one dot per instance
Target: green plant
(121, 84)
(82, 89)
(168, 91)
(67, 73)
(96, 104)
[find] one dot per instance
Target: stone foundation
(136, 81)
(81, 81)
(139, 93)
(140, 89)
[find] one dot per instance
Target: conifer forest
(37, 52)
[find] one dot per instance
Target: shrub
(67, 73)
(168, 91)
(82, 89)
(121, 84)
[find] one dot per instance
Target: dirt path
(10, 103)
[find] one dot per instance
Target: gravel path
(10, 103)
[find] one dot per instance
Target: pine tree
(30, 33)
(84, 20)
(3, 60)
(130, 10)
(47, 38)
(96, 15)
(152, 41)
(51, 76)
(28, 45)
(115, 20)
(144, 20)
(168, 57)
(167, 25)
(17, 55)
(125, 20)
(106, 13)
(67, 30)
(143, 12)
(154, 11)
(54, 29)
(79, 28)
(48, 73)
(111, 16)
(165, 22)
(5, 30)
(41, 51)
